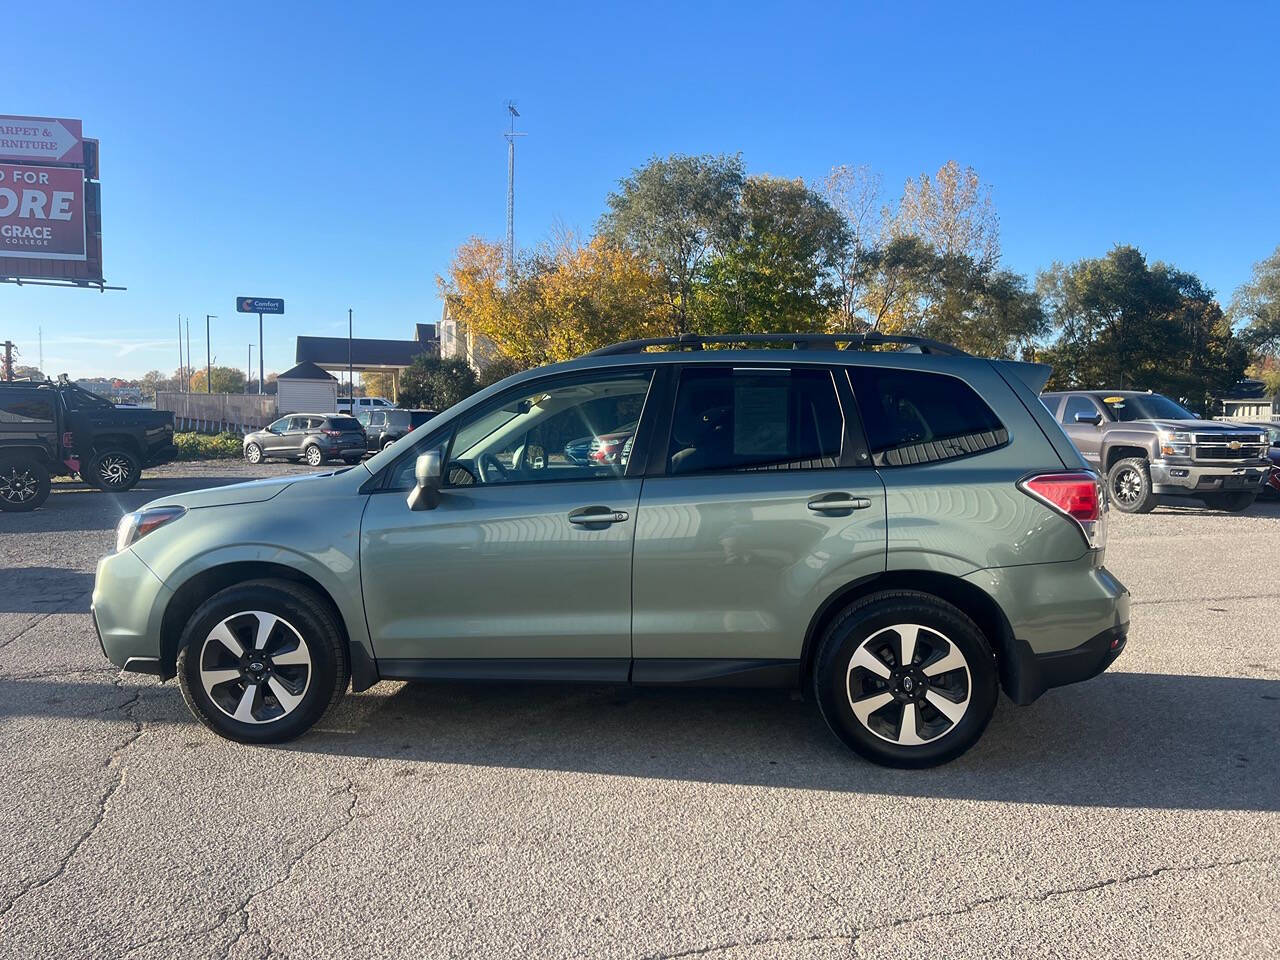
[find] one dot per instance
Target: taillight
(68, 439)
(332, 433)
(1078, 495)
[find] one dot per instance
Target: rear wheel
(905, 679)
(24, 483)
(262, 661)
(114, 470)
(1129, 483)
(1230, 502)
(313, 455)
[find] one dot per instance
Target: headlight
(1175, 443)
(134, 526)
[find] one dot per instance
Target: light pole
(248, 371)
(208, 356)
(351, 387)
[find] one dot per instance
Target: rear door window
(31, 408)
(739, 419)
(915, 417)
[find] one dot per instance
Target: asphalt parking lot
(1137, 814)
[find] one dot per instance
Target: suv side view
(385, 427)
(1148, 446)
(311, 437)
(899, 534)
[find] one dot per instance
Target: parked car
(385, 427)
(57, 428)
(604, 448)
(1148, 446)
(901, 534)
(362, 403)
(312, 437)
(1271, 489)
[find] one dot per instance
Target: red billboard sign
(42, 212)
(41, 139)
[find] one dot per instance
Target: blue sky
(336, 154)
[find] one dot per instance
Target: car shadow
(1120, 740)
(44, 589)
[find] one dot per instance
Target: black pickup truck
(51, 428)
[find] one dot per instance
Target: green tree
(436, 383)
(676, 214)
(1120, 323)
(498, 368)
(1256, 304)
(781, 274)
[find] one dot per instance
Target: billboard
(259, 305)
(41, 139)
(42, 212)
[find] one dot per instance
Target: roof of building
(366, 352)
(306, 371)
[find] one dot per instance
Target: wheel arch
(1123, 451)
(205, 583)
(116, 441)
(976, 603)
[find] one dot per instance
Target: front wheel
(253, 453)
(115, 471)
(262, 661)
(1129, 484)
(24, 484)
(1230, 502)
(905, 679)
(313, 455)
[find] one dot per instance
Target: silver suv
(898, 534)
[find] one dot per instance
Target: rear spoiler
(1034, 375)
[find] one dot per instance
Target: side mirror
(426, 494)
(1092, 418)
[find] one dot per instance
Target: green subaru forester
(899, 533)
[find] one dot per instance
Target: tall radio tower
(510, 137)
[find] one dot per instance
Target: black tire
(838, 684)
(24, 484)
(1129, 486)
(312, 455)
(253, 453)
(1230, 502)
(387, 443)
(114, 470)
(313, 623)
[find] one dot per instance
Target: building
(457, 341)
(1249, 401)
(363, 354)
(306, 389)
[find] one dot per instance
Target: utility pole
(351, 389)
(8, 359)
(510, 137)
(208, 356)
(189, 355)
(248, 371)
(181, 362)
(40, 334)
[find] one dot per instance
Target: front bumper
(1184, 478)
(128, 603)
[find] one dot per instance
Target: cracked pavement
(1137, 814)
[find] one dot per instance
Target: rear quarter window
(912, 416)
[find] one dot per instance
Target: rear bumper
(1034, 673)
(163, 455)
(1185, 478)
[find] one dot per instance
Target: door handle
(588, 516)
(838, 502)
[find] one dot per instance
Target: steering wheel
(487, 460)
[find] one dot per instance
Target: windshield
(1147, 406)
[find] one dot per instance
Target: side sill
(546, 670)
(700, 672)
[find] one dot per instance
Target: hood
(1200, 426)
(252, 491)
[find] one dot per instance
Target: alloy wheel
(255, 667)
(1126, 486)
(314, 456)
(17, 485)
(113, 469)
(253, 453)
(908, 684)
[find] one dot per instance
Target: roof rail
(798, 341)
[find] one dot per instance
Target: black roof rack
(798, 341)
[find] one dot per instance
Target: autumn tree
(856, 194)
(676, 214)
(952, 211)
(376, 383)
(225, 380)
(1256, 304)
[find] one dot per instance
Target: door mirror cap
(427, 472)
(1091, 418)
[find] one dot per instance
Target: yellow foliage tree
(566, 299)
